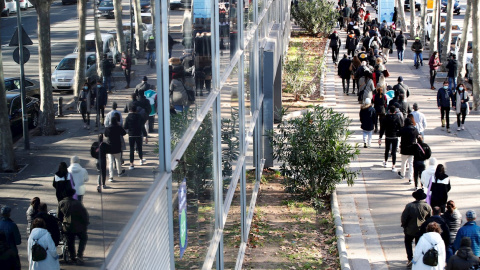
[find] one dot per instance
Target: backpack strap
(421, 148)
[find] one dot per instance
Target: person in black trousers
(335, 43)
(345, 73)
(390, 126)
(103, 149)
(136, 129)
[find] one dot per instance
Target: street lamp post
(131, 30)
(22, 79)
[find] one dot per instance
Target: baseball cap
(6, 210)
(470, 214)
(417, 38)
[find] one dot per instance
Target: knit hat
(6, 210)
(466, 242)
(145, 78)
(368, 101)
(400, 79)
(471, 214)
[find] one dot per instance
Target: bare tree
(476, 53)
(47, 111)
(7, 155)
(98, 41)
(413, 20)
(447, 37)
(433, 33)
(401, 15)
(138, 28)
(423, 21)
(79, 77)
(117, 9)
(462, 52)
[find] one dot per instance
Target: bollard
(60, 107)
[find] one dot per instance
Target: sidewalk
(371, 209)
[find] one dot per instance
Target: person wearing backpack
(436, 217)
(408, 140)
(422, 152)
(42, 252)
(430, 250)
(464, 259)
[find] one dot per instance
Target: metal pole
(26, 140)
(131, 31)
(438, 30)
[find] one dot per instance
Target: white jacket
(420, 120)
(426, 174)
(424, 244)
(80, 176)
(44, 239)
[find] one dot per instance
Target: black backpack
(430, 258)
(94, 149)
(423, 152)
(39, 253)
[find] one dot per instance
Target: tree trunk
(476, 53)
(447, 38)
(117, 5)
(423, 21)
(79, 77)
(138, 28)
(98, 41)
(152, 8)
(433, 33)
(47, 110)
(7, 155)
(462, 52)
(413, 20)
(401, 15)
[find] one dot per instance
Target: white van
(64, 73)
(469, 54)
(429, 21)
(109, 46)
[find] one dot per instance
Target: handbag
(429, 193)
(72, 184)
(386, 74)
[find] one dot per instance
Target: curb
(324, 73)
(341, 247)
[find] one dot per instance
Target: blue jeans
(107, 82)
(452, 82)
(367, 136)
(420, 56)
(400, 54)
(150, 56)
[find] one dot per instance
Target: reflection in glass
(228, 19)
(232, 232)
(248, 82)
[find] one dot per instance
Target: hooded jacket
(45, 240)
(9, 260)
(80, 176)
(426, 242)
(73, 215)
(61, 183)
(51, 223)
(417, 47)
(344, 68)
(463, 260)
(443, 225)
(414, 215)
(134, 125)
(469, 229)
(409, 136)
(351, 43)
(427, 174)
(367, 117)
(440, 188)
(454, 222)
(391, 125)
(115, 136)
(400, 42)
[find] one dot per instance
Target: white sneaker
(131, 168)
(110, 179)
(394, 169)
(384, 164)
(143, 162)
(458, 129)
(463, 127)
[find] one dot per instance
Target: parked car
(406, 5)
(145, 31)
(68, 2)
(144, 5)
(176, 4)
(14, 105)
(429, 21)
(126, 35)
(32, 88)
(105, 9)
(147, 20)
(109, 46)
(24, 4)
(443, 27)
(63, 75)
(469, 53)
(10, 7)
(456, 6)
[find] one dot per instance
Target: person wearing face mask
(444, 95)
(84, 105)
(461, 105)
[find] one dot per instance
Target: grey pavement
(371, 208)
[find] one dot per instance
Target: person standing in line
(353, 70)
(85, 105)
(110, 115)
(10, 229)
(464, 259)
(136, 129)
(107, 68)
(351, 43)
(469, 229)
(428, 173)
(461, 105)
(42, 237)
(430, 239)
(346, 12)
(335, 43)
(79, 175)
(420, 120)
(367, 118)
(422, 152)
(433, 63)
(61, 181)
(126, 64)
(51, 223)
(417, 48)
(9, 259)
(437, 217)
(380, 106)
(414, 214)
(32, 211)
(444, 95)
(101, 162)
(390, 127)
(115, 133)
(401, 88)
(387, 45)
(142, 87)
(101, 103)
(400, 43)
(452, 74)
(453, 218)
(440, 188)
(408, 136)
(345, 73)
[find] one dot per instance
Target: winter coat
(400, 42)
(366, 90)
(459, 97)
(443, 225)
(109, 116)
(379, 103)
(85, 98)
(413, 216)
(73, 215)
(387, 42)
(79, 176)
(134, 125)
(351, 43)
(417, 47)
(440, 188)
(469, 229)
(126, 62)
(102, 97)
(31, 213)
(444, 96)
(145, 104)
(404, 108)
(418, 151)
(344, 68)
(452, 67)
(107, 67)
(463, 260)
(141, 88)
(426, 242)
(335, 40)
(115, 135)
(61, 183)
(45, 240)
(420, 121)
(390, 126)
(401, 88)
(51, 223)
(434, 62)
(454, 222)
(9, 259)
(178, 93)
(11, 232)
(346, 12)
(150, 45)
(131, 104)
(367, 117)
(408, 136)
(426, 175)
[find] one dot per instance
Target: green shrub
(314, 152)
(315, 16)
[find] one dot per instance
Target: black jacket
(400, 88)
(135, 125)
(445, 231)
(400, 42)
(344, 68)
(367, 117)
(131, 104)
(387, 42)
(351, 42)
(391, 126)
(51, 226)
(452, 67)
(380, 103)
(440, 188)
(107, 67)
(73, 215)
(463, 260)
(114, 135)
(335, 40)
(102, 97)
(141, 88)
(408, 136)
(9, 259)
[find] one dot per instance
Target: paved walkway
(371, 208)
